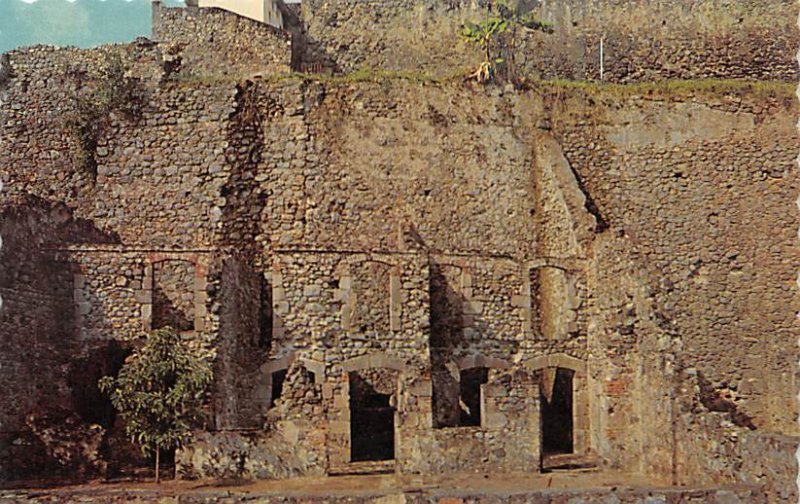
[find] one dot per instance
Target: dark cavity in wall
(371, 421)
(470, 395)
(265, 315)
(446, 334)
(557, 415)
(278, 379)
(90, 404)
(591, 205)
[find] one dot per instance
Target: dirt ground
(375, 484)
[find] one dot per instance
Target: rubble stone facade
(641, 41)
(407, 276)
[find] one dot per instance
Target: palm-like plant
(482, 34)
(508, 14)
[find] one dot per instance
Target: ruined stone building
(264, 11)
(395, 270)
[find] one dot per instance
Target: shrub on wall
(115, 91)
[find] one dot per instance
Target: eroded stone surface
(309, 235)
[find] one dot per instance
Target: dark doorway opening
(557, 426)
(278, 379)
(371, 422)
(93, 406)
(470, 393)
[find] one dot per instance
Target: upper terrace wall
(422, 177)
(211, 42)
(209, 165)
(642, 40)
(148, 168)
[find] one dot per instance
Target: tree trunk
(158, 454)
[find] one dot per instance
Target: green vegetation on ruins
(159, 392)
(497, 33)
(662, 88)
(114, 91)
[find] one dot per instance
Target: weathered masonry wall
(211, 42)
(642, 41)
(322, 239)
(702, 234)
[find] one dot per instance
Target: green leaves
(159, 391)
(481, 33)
(506, 14)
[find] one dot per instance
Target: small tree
(159, 392)
(485, 34)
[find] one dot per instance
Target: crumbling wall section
(507, 439)
(167, 151)
(688, 288)
(632, 364)
(641, 40)
(696, 204)
(241, 396)
(398, 174)
(160, 183)
(37, 104)
(385, 175)
(40, 337)
(716, 444)
(211, 42)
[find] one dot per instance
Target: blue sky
(82, 23)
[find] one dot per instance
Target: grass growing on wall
(664, 88)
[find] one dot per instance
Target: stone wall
(35, 328)
(38, 102)
(211, 42)
(241, 394)
(684, 198)
(507, 439)
(332, 227)
(642, 41)
(714, 447)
